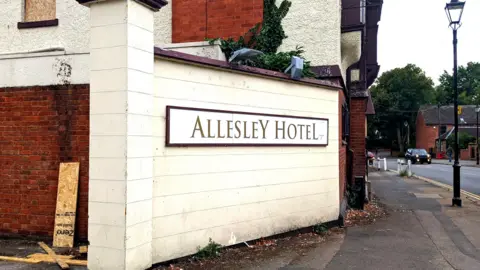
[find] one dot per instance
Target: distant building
(436, 124)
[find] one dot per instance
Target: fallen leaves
(370, 214)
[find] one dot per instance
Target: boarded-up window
(39, 10)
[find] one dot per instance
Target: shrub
(211, 250)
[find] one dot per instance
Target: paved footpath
(422, 232)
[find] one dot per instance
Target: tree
(463, 140)
(398, 95)
(468, 86)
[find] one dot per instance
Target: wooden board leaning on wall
(66, 210)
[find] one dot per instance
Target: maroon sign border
(167, 136)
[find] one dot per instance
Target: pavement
(470, 180)
(422, 231)
(464, 163)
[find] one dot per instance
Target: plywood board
(40, 10)
(66, 205)
(53, 256)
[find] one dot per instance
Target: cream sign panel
(194, 126)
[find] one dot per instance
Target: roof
(431, 115)
(370, 107)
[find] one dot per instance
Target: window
(38, 13)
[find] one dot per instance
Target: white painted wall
(121, 143)
(72, 32)
(315, 25)
(234, 194)
(351, 49)
(50, 68)
(163, 25)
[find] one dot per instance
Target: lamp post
(477, 110)
(454, 11)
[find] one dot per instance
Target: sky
(417, 32)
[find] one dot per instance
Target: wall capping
(37, 24)
(152, 4)
(331, 83)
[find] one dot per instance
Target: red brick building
(44, 118)
(434, 122)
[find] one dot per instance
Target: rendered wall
(72, 32)
(316, 26)
(234, 194)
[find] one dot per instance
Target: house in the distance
(435, 124)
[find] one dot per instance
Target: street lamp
(477, 110)
(454, 11)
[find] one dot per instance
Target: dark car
(418, 155)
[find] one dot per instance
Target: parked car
(370, 157)
(418, 155)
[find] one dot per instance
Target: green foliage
(320, 229)
(398, 95)
(463, 140)
(211, 250)
(272, 34)
(468, 86)
(280, 61)
(228, 46)
(353, 192)
(267, 38)
(403, 173)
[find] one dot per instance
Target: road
(470, 176)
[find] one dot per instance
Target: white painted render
(315, 25)
(235, 194)
(163, 25)
(44, 68)
(201, 48)
(72, 32)
(351, 49)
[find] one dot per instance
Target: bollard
(409, 168)
(378, 164)
(398, 166)
(385, 164)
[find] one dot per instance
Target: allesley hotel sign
(205, 127)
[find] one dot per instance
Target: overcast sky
(416, 31)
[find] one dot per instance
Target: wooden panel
(39, 10)
(66, 205)
(52, 255)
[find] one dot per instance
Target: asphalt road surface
(470, 176)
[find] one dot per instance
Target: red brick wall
(342, 148)
(426, 135)
(39, 128)
(357, 135)
(195, 20)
